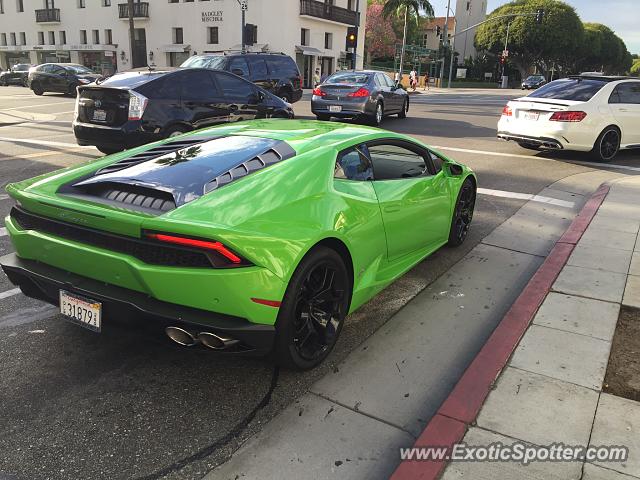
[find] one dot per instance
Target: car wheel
(174, 131)
(462, 214)
(607, 145)
(313, 310)
(37, 89)
(284, 95)
(405, 108)
(71, 91)
(109, 150)
(377, 117)
(324, 118)
(529, 146)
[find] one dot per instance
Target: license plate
(531, 116)
(100, 115)
(335, 108)
(82, 311)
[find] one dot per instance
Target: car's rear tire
(175, 130)
(71, 90)
(376, 119)
(462, 213)
(313, 310)
(405, 108)
(529, 146)
(37, 89)
(322, 117)
(284, 95)
(607, 144)
(109, 150)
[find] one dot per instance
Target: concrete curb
(463, 404)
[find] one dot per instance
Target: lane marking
(9, 293)
(526, 196)
(33, 155)
(3, 232)
(34, 106)
(593, 165)
(4, 197)
(62, 113)
(49, 143)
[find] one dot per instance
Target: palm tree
(400, 7)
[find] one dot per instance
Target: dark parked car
(533, 82)
(133, 108)
(60, 77)
(367, 95)
(275, 72)
(16, 75)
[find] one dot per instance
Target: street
(80, 405)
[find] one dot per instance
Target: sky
(622, 16)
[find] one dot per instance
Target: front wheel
(462, 214)
(405, 108)
(174, 131)
(607, 145)
(109, 150)
(285, 96)
(376, 118)
(37, 89)
(313, 310)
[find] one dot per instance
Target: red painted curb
(463, 404)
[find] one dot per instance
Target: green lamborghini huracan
(258, 237)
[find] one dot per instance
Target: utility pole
(445, 40)
(132, 31)
(453, 49)
(504, 65)
(404, 41)
(244, 7)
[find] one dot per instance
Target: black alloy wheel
(607, 145)
(313, 310)
(462, 214)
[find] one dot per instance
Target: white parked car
(588, 113)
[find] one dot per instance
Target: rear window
(131, 79)
(281, 64)
(580, 90)
(348, 77)
(21, 67)
(215, 62)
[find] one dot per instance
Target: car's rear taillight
(318, 93)
(506, 111)
(567, 117)
(137, 104)
(361, 92)
(196, 243)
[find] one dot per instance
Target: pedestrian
(316, 78)
(426, 80)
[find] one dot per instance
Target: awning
(306, 50)
(176, 48)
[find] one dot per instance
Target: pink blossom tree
(380, 38)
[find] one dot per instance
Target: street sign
(244, 5)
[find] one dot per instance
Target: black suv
(60, 77)
(275, 72)
(16, 75)
(133, 108)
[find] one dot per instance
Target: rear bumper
(122, 305)
(350, 109)
(545, 142)
(296, 95)
(126, 136)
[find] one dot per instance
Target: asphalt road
(80, 405)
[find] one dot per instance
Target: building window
(12, 38)
(108, 36)
(23, 38)
(106, 3)
(188, 1)
(351, 4)
(40, 38)
(52, 38)
(213, 35)
(3, 39)
(173, 1)
(304, 36)
(96, 37)
(177, 35)
(81, 4)
(328, 40)
(20, 5)
(1, 6)
(62, 35)
(83, 37)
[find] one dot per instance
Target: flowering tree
(380, 38)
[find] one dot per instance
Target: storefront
(307, 60)
(52, 56)
(17, 54)
(177, 54)
(104, 63)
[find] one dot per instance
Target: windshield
(577, 89)
(21, 67)
(348, 77)
(535, 78)
(78, 69)
(213, 62)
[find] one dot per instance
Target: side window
(626, 93)
(258, 68)
(280, 65)
(197, 86)
(392, 162)
(44, 69)
(238, 65)
(437, 162)
(380, 82)
(58, 70)
(164, 88)
(353, 164)
(390, 83)
(234, 88)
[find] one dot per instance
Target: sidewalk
(352, 423)
(550, 390)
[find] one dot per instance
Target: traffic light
(539, 15)
(502, 59)
(250, 34)
(352, 37)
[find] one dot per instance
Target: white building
(96, 32)
(468, 13)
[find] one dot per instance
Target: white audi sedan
(588, 113)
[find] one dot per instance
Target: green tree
(553, 42)
(406, 9)
(635, 68)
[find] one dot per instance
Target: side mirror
(237, 71)
(454, 169)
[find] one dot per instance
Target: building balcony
(140, 10)
(48, 15)
(327, 11)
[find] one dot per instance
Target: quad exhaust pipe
(208, 339)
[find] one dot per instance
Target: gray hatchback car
(366, 94)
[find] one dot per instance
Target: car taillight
(207, 245)
(567, 117)
(137, 104)
(361, 92)
(319, 93)
(506, 111)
